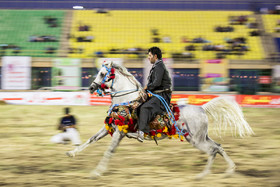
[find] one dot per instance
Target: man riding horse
(159, 82)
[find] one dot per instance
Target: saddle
(125, 118)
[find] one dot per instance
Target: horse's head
(104, 77)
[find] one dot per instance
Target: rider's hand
(145, 88)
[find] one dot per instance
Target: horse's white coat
(221, 111)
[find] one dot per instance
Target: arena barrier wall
(84, 98)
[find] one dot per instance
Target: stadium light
(78, 7)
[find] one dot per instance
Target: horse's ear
(111, 64)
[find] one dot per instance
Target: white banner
(45, 98)
(16, 73)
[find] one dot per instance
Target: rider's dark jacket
(159, 78)
(159, 82)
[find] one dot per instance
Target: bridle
(110, 76)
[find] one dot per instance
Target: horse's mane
(124, 72)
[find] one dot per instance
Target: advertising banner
(215, 75)
(264, 79)
(16, 73)
(270, 101)
(66, 74)
(45, 98)
(94, 99)
(85, 98)
(196, 99)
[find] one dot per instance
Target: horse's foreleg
(101, 133)
(102, 166)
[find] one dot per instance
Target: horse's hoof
(201, 175)
(70, 154)
(94, 175)
(230, 171)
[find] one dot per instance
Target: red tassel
(153, 133)
(159, 130)
(110, 120)
(131, 121)
(103, 86)
(112, 76)
(112, 70)
(121, 118)
(117, 122)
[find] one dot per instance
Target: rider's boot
(140, 136)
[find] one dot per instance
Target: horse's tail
(223, 113)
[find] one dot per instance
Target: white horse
(193, 119)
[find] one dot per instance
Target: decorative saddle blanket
(125, 118)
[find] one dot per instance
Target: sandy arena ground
(27, 158)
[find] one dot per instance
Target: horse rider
(159, 82)
(68, 126)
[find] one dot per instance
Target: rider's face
(152, 58)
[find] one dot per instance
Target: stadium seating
(16, 27)
(122, 30)
(270, 22)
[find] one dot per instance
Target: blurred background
(242, 36)
(51, 50)
(211, 46)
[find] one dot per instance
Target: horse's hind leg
(102, 165)
(231, 165)
(101, 133)
(212, 148)
(207, 168)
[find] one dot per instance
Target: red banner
(94, 99)
(272, 101)
(193, 99)
(265, 79)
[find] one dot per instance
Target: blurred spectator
(252, 25)
(68, 126)
(228, 40)
(238, 20)
(89, 38)
(219, 47)
(184, 55)
(16, 49)
(102, 11)
(71, 50)
(224, 29)
(84, 28)
(51, 21)
(184, 39)
(264, 10)
(99, 54)
(34, 38)
(50, 50)
(154, 32)
(156, 40)
(85, 39)
(200, 40)
(166, 39)
(190, 48)
(255, 33)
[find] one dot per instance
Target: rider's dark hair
(155, 51)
